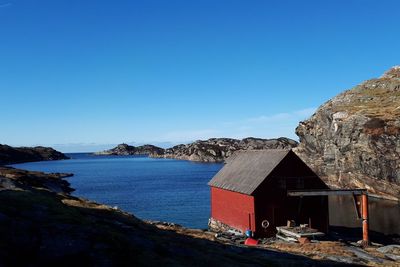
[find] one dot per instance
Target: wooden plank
(286, 238)
(289, 233)
(298, 235)
(300, 193)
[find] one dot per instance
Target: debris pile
(231, 236)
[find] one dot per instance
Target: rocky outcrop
(219, 149)
(12, 179)
(353, 140)
(211, 150)
(125, 150)
(12, 155)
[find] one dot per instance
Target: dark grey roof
(246, 170)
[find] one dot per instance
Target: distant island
(125, 150)
(13, 155)
(211, 150)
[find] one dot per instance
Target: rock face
(125, 150)
(353, 140)
(11, 155)
(219, 149)
(11, 179)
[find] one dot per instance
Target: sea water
(151, 189)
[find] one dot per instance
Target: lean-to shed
(252, 188)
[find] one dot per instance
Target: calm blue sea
(152, 189)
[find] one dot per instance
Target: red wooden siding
(232, 208)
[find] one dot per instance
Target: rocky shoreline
(126, 150)
(13, 155)
(219, 149)
(211, 150)
(13, 179)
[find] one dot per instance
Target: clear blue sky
(78, 75)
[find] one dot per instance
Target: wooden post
(365, 218)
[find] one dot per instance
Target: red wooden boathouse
(252, 188)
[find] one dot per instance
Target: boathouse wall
(233, 208)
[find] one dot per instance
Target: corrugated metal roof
(246, 170)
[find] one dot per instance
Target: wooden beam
(365, 223)
(298, 235)
(301, 193)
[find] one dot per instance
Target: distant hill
(219, 149)
(11, 155)
(353, 140)
(125, 150)
(211, 150)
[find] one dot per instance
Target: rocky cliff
(125, 150)
(11, 155)
(353, 140)
(219, 149)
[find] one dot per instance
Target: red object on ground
(251, 242)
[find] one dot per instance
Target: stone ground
(346, 252)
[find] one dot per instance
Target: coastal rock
(353, 140)
(219, 149)
(12, 179)
(12, 155)
(125, 150)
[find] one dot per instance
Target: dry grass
(196, 233)
(372, 102)
(373, 252)
(313, 250)
(316, 251)
(85, 204)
